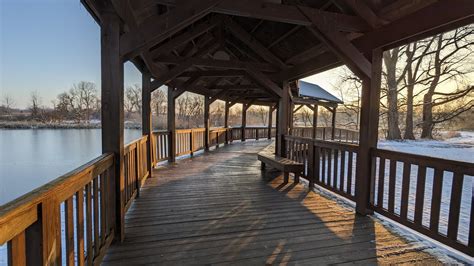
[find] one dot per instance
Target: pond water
(30, 158)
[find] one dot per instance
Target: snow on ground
(458, 148)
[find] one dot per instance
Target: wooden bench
(283, 164)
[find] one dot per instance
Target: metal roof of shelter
(314, 91)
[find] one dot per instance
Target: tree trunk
(392, 94)
(427, 125)
(409, 115)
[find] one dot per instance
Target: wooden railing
(325, 133)
(430, 195)
(189, 141)
(330, 165)
(72, 219)
(135, 169)
(70, 213)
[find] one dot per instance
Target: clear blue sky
(46, 46)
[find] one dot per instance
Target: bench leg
(297, 178)
(262, 166)
(286, 177)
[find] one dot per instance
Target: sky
(47, 46)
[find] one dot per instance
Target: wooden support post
(146, 118)
(291, 117)
(333, 124)
(315, 121)
(207, 103)
(113, 114)
(270, 121)
(226, 121)
(171, 126)
(245, 107)
(277, 123)
(283, 119)
(368, 134)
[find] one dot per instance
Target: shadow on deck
(217, 208)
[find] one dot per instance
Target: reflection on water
(30, 158)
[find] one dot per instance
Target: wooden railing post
(112, 112)
(146, 118)
(191, 141)
(244, 120)
(283, 119)
(368, 133)
(207, 103)
(171, 126)
(270, 121)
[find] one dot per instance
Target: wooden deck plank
(220, 208)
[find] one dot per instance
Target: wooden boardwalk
(217, 208)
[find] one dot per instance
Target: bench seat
(283, 164)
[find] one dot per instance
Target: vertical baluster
(329, 172)
(80, 226)
(405, 190)
(420, 194)
(323, 165)
(381, 183)
(90, 256)
(349, 172)
(96, 216)
(17, 250)
(69, 238)
(455, 205)
(336, 166)
(436, 199)
(342, 172)
(317, 162)
(103, 196)
(391, 185)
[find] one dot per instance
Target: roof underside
(243, 51)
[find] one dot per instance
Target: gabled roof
(314, 91)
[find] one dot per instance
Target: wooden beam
(365, 12)
(214, 63)
(215, 73)
(314, 65)
(338, 43)
(112, 98)
(299, 100)
(423, 23)
(170, 75)
(186, 37)
(267, 83)
(157, 28)
(283, 13)
(253, 43)
(307, 54)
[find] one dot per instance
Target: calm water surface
(30, 158)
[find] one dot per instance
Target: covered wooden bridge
(218, 208)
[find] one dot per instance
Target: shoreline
(40, 125)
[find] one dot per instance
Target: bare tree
(133, 99)
(447, 62)
(86, 93)
(8, 103)
(35, 105)
(390, 61)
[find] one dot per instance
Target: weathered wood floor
(217, 209)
